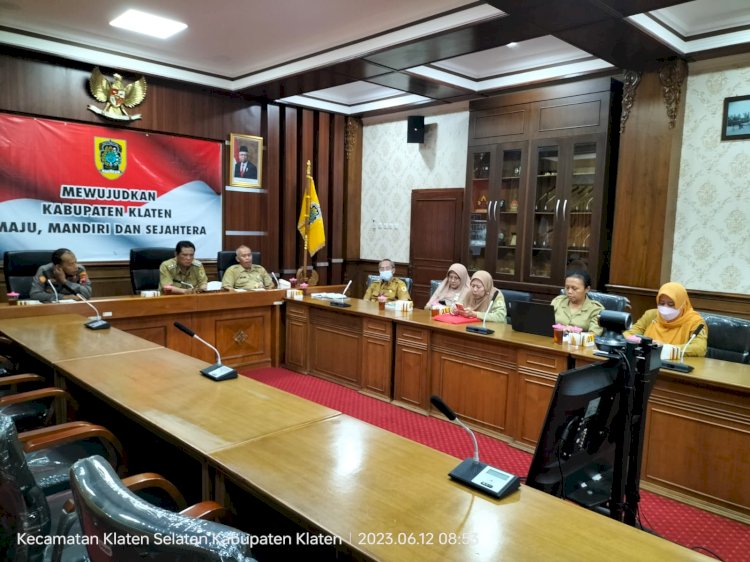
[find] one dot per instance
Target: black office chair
(407, 280)
(510, 297)
(227, 258)
(28, 505)
(20, 267)
(105, 505)
(608, 300)
(144, 267)
(728, 338)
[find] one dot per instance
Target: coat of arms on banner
(110, 156)
(116, 95)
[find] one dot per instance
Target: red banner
(101, 191)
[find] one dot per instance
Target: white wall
(391, 168)
(712, 224)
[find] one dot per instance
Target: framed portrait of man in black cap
(245, 160)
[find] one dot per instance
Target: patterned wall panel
(712, 224)
(391, 168)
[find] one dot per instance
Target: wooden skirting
(695, 502)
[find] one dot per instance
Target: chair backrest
(407, 280)
(510, 297)
(25, 508)
(434, 284)
(20, 267)
(728, 338)
(227, 258)
(104, 505)
(610, 301)
(144, 267)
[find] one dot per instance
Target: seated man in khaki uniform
(183, 273)
(393, 288)
(244, 275)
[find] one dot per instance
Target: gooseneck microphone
(694, 335)
(681, 366)
(57, 297)
(186, 284)
(451, 415)
(217, 371)
(97, 323)
(471, 472)
(483, 329)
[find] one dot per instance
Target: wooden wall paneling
(641, 199)
(290, 210)
(321, 175)
(353, 188)
(272, 159)
(336, 227)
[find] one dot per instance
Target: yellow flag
(317, 237)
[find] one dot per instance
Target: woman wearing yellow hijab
(673, 321)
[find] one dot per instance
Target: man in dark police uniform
(183, 274)
(64, 274)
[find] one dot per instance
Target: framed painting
(245, 160)
(736, 118)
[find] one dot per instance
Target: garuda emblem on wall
(116, 96)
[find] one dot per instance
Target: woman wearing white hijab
(452, 288)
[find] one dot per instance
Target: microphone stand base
(480, 330)
(219, 372)
(485, 478)
(97, 324)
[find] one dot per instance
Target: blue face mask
(386, 275)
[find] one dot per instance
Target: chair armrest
(73, 434)
(31, 395)
(12, 380)
(151, 480)
(209, 510)
(50, 430)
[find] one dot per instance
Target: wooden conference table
(697, 426)
(335, 473)
(244, 327)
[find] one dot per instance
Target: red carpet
(708, 533)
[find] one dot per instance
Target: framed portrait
(736, 122)
(245, 160)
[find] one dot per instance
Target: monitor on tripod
(590, 447)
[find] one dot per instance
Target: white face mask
(386, 275)
(668, 313)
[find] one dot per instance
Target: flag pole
(306, 236)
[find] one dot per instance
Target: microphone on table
(681, 366)
(57, 297)
(474, 473)
(217, 371)
(695, 333)
(97, 323)
(483, 329)
(274, 278)
(339, 301)
(186, 284)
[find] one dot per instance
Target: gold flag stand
(305, 275)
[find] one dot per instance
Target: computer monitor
(575, 457)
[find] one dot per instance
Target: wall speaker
(415, 132)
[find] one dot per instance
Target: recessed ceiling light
(512, 45)
(148, 24)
